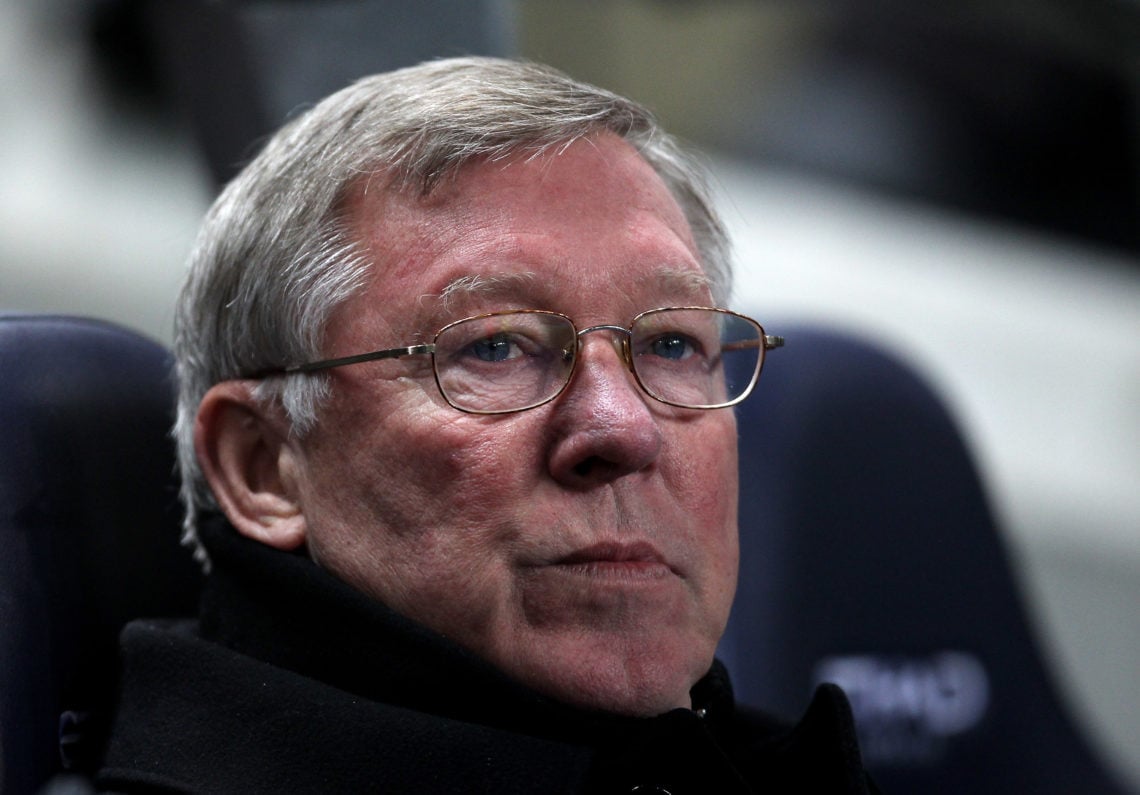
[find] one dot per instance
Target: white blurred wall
(97, 212)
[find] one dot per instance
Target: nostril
(583, 468)
(596, 469)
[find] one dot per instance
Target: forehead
(575, 229)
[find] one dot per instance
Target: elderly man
(455, 434)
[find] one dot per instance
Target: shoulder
(194, 715)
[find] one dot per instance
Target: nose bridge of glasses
(619, 339)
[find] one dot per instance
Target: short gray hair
(274, 258)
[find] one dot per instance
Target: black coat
(294, 682)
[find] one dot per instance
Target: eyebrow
(691, 286)
(686, 282)
(481, 286)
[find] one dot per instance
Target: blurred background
(959, 182)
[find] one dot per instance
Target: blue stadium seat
(89, 528)
(870, 557)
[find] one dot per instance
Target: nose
(604, 428)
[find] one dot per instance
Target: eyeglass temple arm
(770, 341)
(325, 364)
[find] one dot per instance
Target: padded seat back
(89, 530)
(870, 557)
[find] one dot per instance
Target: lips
(638, 560)
(614, 553)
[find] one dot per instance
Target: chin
(644, 700)
(644, 686)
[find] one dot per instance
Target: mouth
(638, 561)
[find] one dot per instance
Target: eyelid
(644, 345)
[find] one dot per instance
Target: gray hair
(274, 258)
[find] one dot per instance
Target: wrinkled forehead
(532, 232)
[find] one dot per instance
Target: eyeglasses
(503, 362)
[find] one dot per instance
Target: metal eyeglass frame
(768, 341)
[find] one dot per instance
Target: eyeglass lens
(698, 358)
(504, 362)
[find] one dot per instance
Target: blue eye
(496, 348)
(673, 346)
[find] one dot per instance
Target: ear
(251, 463)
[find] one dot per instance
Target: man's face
(586, 547)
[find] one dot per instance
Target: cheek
(703, 472)
(380, 488)
(428, 529)
(472, 477)
(420, 490)
(705, 475)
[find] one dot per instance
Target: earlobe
(246, 454)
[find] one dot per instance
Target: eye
(498, 347)
(672, 345)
